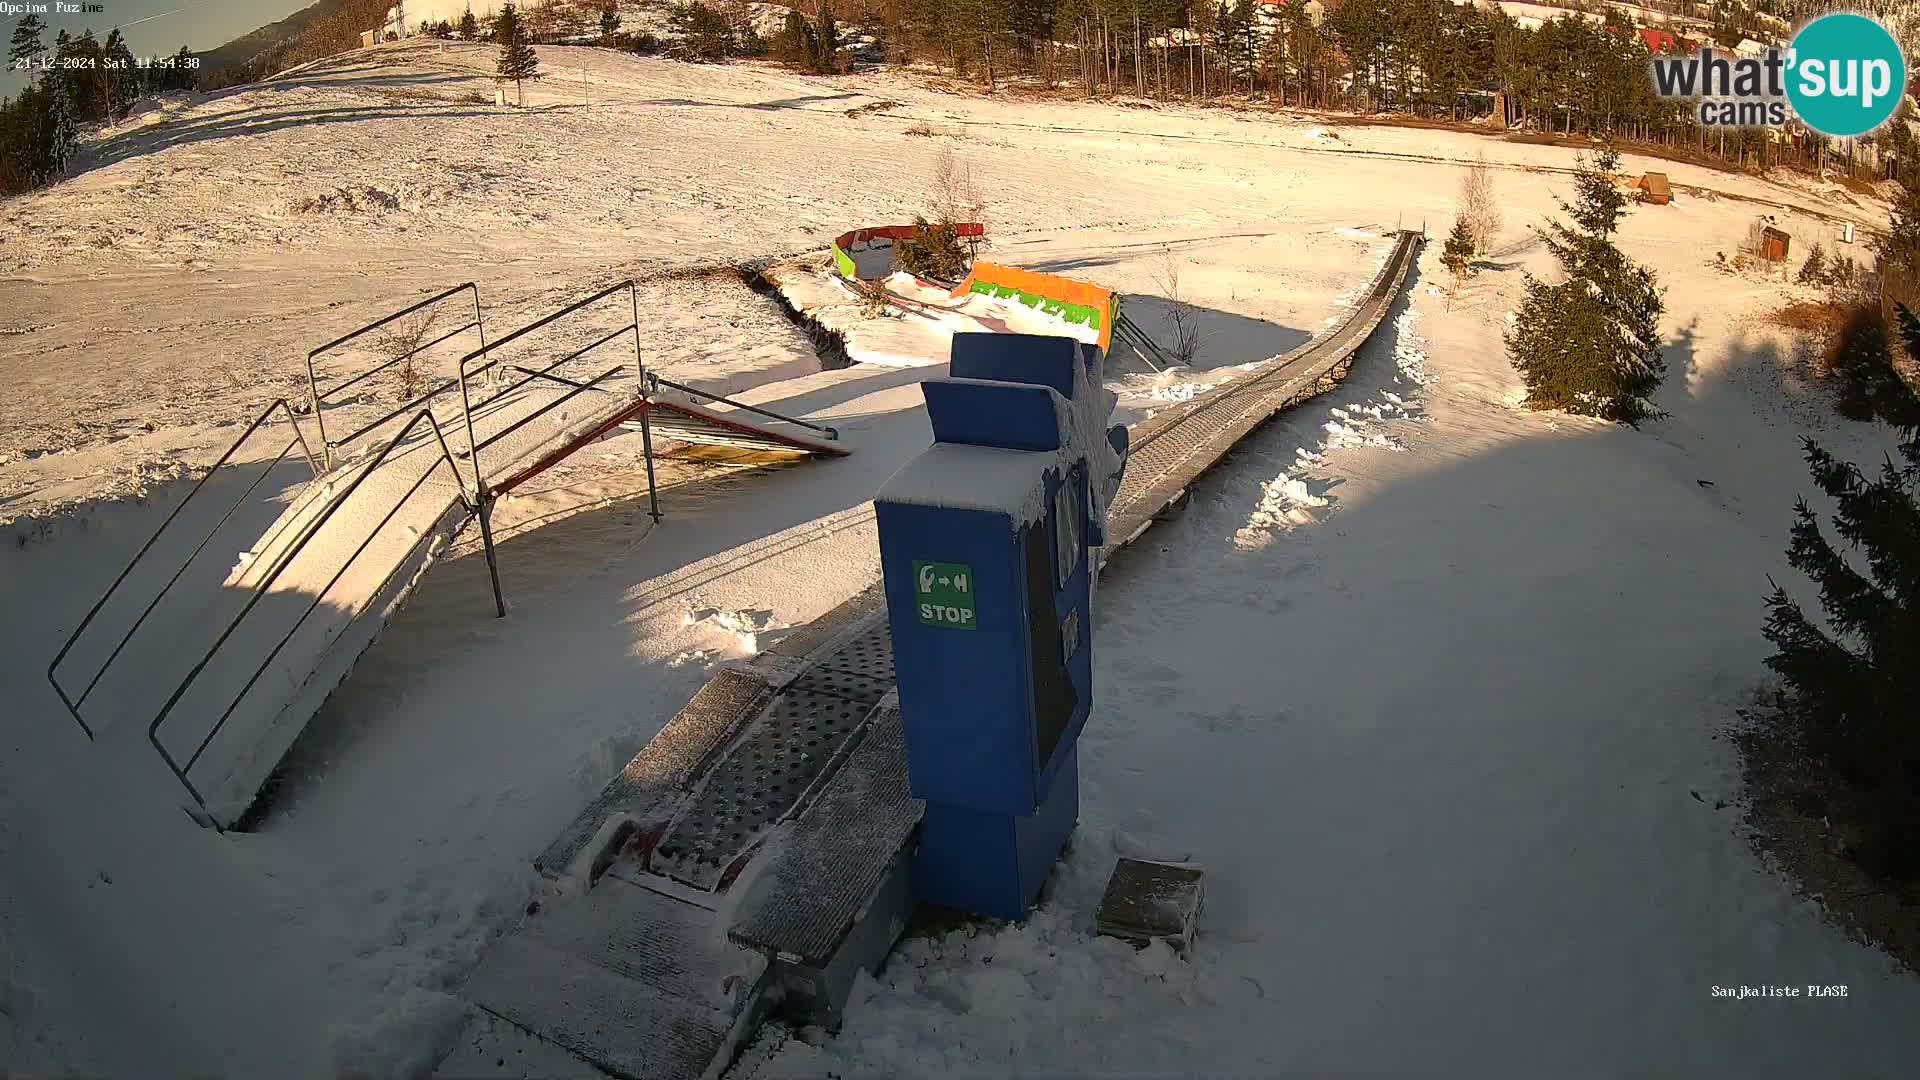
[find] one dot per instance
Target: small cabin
(1654, 188)
(1773, 244)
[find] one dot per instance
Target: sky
(158, 26)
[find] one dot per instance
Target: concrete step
(637, 984)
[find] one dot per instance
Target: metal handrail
(286, 559)
(73, 704)
(313, 383)
(543, 372)
(537, 324)
(578, 389)
(409, 354)
(488, 361)
(830, 432)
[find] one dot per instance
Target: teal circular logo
(1845, 74)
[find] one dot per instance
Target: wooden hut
(1655, 189)
(1773, 244)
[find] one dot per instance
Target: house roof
(1656, 184)
(1658, 40)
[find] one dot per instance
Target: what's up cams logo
(1842, 75)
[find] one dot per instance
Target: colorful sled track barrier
(1064, 298)
(867, 254)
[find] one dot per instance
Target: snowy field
(1435, 688)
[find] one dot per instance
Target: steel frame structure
(476, 498)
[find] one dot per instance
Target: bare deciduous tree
(1479, 206)
(399, 343)
(1184, 316)
(953, 197)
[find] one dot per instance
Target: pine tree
(89, 83)
(27, 46)
(1457, 256)
(181, 75)
(469, 26)
(1598, 203)
(1591, 344)
(123, 79)
(705, 34)
(64, 128)
(794, 44)
(609, 21)
(826, 35)
(1854, 691)
(932, 251)
(1900, 247)
(516, 61)
(1814, 270)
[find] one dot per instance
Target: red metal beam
(598, 431)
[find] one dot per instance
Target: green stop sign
(943, 592)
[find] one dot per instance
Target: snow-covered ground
(1431, 685)
(1434, 689)
(174, 286)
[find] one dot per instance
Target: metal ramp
(225, 644)
(1140, 343)
(767, 828)
(1175, 447)
(688, 421)
(661, 948)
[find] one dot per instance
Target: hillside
(320, 29)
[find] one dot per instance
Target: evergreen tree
(27, 138)
(932, 251)
(1900, 247)
(181, 75)
(1854, 690)
(1598, 204)
(516, 61)
(27, 46)
(1591, 344)
(1814, 270)
(63, 128)
(91, 97)
(122, 77)
(1457, 256)
(794, 44)
(609, 21)
(826, 41)
(469, 26)
(705, 34)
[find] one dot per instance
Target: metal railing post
(319, 420)
(646, 425)
(484, 507)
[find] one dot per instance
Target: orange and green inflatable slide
(1063, 298)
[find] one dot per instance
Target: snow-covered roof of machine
(966, 477)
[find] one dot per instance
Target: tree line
(1425, 58)
(1575, 75)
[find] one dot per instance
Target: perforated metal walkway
(765, 830)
